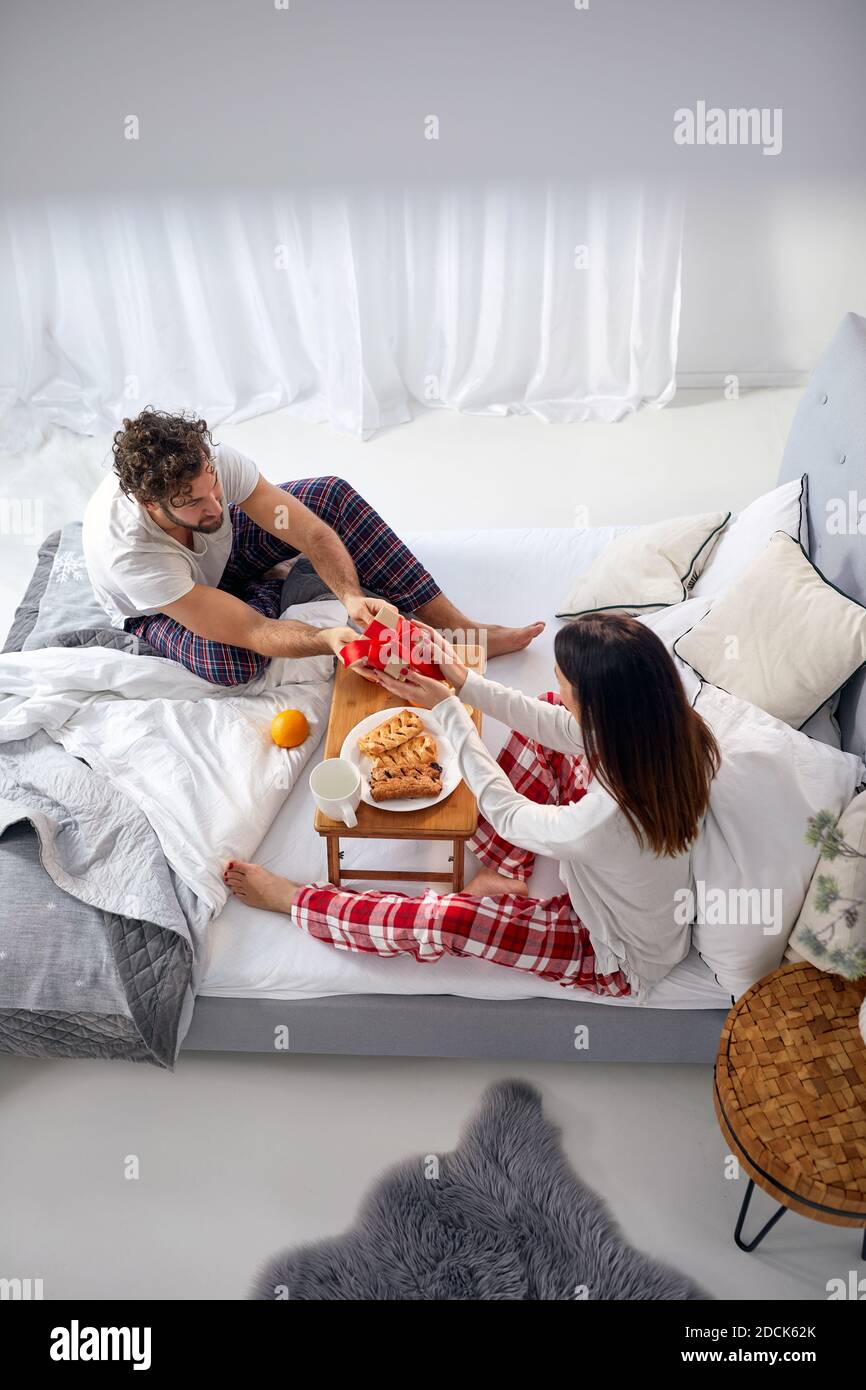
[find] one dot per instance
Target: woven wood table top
(790, 1091)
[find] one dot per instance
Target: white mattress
(512, 576)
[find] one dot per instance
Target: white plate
(447, 760)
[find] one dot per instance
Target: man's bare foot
(441, 614)
(258, 887)
(487, 883)
(510, 639)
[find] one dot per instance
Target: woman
(611, 777)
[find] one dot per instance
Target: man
(180, 537)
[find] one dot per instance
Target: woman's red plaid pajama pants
(385, 567)
(543, 936)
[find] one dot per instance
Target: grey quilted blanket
(98, 948)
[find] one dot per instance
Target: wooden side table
(790, 1096)
(454, 820)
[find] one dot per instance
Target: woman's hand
(415, 689)
(441, 652)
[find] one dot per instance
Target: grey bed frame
(828, 442)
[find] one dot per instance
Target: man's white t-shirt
(135, 567)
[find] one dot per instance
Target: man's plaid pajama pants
(385, 566)
(543, 936)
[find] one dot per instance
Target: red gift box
(392, 646)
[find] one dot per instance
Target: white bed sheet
(512, 576)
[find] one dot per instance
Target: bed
(262, 975)
(264, 986)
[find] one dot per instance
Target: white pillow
(647, 568)
(747, 535)
(751, 863)
(782, 637)
(290, 670)
(669, 624)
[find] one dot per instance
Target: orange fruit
(289, 728)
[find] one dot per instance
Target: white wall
(8, 310)
(767, 275)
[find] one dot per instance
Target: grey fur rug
(505, 1218)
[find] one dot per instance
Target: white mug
(336, 787)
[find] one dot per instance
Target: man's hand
(337, 637)
(361, 610)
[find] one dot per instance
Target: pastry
(407, 781)
(390, 734)
(415, 752)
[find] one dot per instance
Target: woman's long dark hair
(643, 741)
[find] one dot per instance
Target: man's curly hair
(157, 454)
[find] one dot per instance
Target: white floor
(241, 1156)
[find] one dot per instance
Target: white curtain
(345, 306)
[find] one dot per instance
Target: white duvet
(198, 759)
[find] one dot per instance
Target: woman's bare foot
(487, 883)
(258, 887)
(510, 639)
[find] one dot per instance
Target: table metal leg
(334, 860)
(764, 1229)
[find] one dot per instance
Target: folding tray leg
(457, 866)
(334, 860)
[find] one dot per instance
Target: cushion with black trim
(648, 568)
(782, 637)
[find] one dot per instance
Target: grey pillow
(68, 603)
(68, 612)
(28, 609)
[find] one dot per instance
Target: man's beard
(206, 530)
